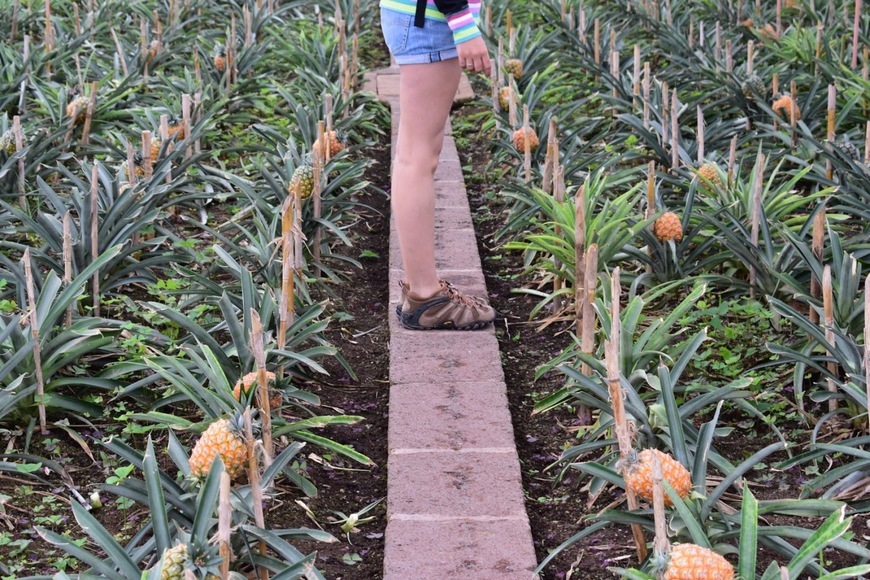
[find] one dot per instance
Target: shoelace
(457, 296)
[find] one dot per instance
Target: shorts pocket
(396, 27)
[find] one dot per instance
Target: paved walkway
(455, 499)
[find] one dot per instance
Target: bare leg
(426, 94)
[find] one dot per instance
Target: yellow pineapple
(709, 175)
(514, 66)
(504, 98)
(302, 181)
(784, 105)
(519, 139)
(223, 438)
(668, 227)
(155, 149)
(335, 141)
(174, 562)
(637, 470)
(7, 142)
(77, 108)
(691, 562)
(249, 381)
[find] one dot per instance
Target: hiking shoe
(447, 309)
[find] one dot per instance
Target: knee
(419, 162)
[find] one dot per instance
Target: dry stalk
(527, 146)
(756, 216)
(856, 27)
(831, 134)
(89, 114)
(288, 300)
(828, 301)
(121, 56)
(225, 522)
(620, 421)
(95, 237)
(596, 41)
(67, 262)
(256, 490)
(590, 286)
(33, 318)
(732, 158)
(262, 383)
(661, 544)
(185, 120)
(818, 248)
(19, 146)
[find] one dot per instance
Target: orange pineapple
(668, 227)
(709, 174)
(175, 128)
(249, 381)
(223, 438)
(220, 60)
(783, 107)
(334, 139)
(637, 471)
(691, 562)
(519, 139)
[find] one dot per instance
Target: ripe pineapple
(7, 142)
(302, 181)
(709, 174)
(249, 381)
(220, 60)
(504, 98)
(514, 66)
(77, 108)
(223, 438)
(519, 139)
(783, 107)
(138, 168)
(174, 562)
(336, 141)
(175, 128)
(637, 471)
(752, 86)
(155, 150)
(691, 562)
(668, 227)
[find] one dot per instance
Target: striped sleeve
(464, 23)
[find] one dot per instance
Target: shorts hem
(426, 58)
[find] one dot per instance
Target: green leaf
(748, 547)
(834, 527)
(159, 518)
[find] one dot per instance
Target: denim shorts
(411, 45)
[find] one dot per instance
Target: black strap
(420, 14)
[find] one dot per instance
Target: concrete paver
(455, 499)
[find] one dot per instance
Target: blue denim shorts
(411, 45)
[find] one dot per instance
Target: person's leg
(426, 94)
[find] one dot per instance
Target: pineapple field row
(670, 202)
(187, 187)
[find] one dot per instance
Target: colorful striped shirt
(462, 23)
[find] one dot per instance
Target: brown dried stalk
(33, 318)
(262, 383)
(828, 301)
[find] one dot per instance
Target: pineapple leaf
(748, 547)
(159, 518)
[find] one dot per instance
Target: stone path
(455, 499)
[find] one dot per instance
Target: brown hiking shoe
(447, 309)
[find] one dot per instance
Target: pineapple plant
(138, 168)
(637, 471)
(519, 138)
(302, 181)
(752, 86)
(708, 173)
(668, 227)
(222, 438)
(514, 66)
(249, 382)
(174, 562)
(336, 141)
(155, 149)
(7, 142)
(784, 105)
(692, 562)
(77, 108)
